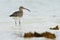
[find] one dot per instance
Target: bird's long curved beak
(27, 9)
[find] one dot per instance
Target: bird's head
(21, 7)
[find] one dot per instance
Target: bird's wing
(14, 14)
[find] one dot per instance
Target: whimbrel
(18, 14)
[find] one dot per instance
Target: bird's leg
(15, 23)
(19, 22)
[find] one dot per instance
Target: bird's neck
(21, 10)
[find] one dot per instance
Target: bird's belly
(16, 18)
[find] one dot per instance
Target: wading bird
(18, 14)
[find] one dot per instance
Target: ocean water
(44, 14)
